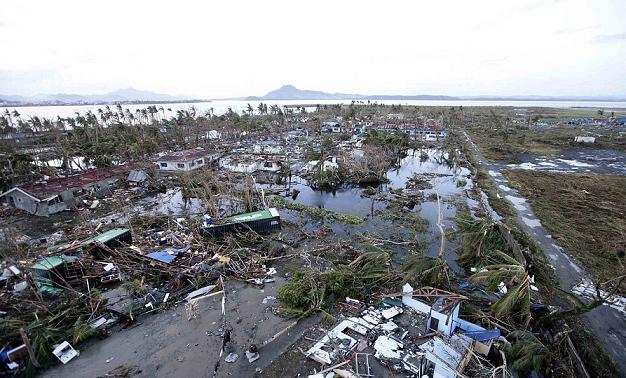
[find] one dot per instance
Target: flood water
(221, 106)
(575, 160)
(441, 175)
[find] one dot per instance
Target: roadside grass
(585, 213)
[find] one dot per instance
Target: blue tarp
(483, 335)
(166, 255)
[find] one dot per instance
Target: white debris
(268, 299)
(502, 288)
(387, 347)
(199, 292)
(350, 300)
(20, 286)
(232, 357)
(391, 312)
(65, 352)
(252, 356)
(389, 326)
(587, 290)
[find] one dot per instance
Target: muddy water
(443, 178)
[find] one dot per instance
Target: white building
(185, 161)
(584, 139)
(251, 163)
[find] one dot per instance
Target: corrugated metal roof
(166, 255)
(107, 236)
(52, 262)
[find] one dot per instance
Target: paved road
(606, 323)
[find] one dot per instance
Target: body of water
(222, 106)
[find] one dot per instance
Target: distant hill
(128, 95)
(289, 92)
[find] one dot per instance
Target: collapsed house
(249, 163)
(51, 196)
(187, 160)
(422, 336)
(52, 273)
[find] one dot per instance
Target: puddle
(531, 222)
(518, 202)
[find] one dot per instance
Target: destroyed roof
(42, 190)
(185, 155)
(447, 356)
(137, 175)
(52, 262)
(167, 255)
(106, 237)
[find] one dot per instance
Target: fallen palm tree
(510, 277)
(310, 291)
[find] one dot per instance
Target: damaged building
(51, 196)
(187, 160)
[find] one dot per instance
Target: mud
(166, 344)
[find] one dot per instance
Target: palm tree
(479, 238)
(250, 109)
(162, 111)
(505, 269)
(7, 115)
(527, 352)
(120, 111)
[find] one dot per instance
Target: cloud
(610, 37)
(575, 30)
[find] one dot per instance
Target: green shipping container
(259, 221)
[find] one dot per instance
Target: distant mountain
(289, 92)
(128, 95)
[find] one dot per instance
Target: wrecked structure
(250, 163)
(408, 335)
(50, 196)
(187, 160)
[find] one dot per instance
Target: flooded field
(575, 160)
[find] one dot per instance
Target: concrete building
(187, 160)
(248, 163)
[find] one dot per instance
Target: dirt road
(606, 323)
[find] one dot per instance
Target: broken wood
(29, 348)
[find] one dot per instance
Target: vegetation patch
(317, 212)
(585, 213)
(309, 291)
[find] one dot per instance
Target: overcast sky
(227, 48)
